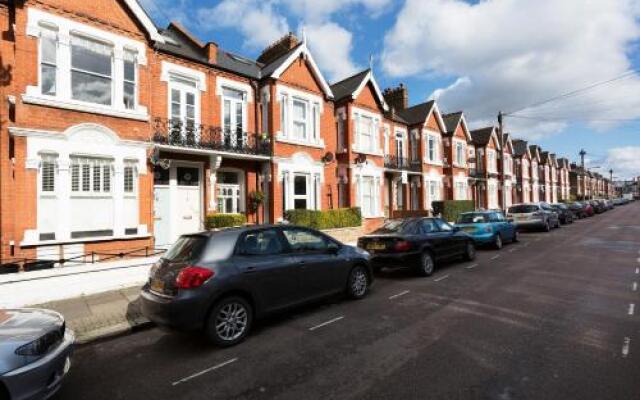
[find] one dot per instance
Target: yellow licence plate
(469, 229)
(376, 246)
(157, 285)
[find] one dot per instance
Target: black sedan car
(221, 281)
(565, 215)
(420, 243)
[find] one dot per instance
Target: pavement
(101, 315)
(551, 317)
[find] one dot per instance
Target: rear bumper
(390, 260)
(483, 238)
(530, 224)
(185, 312)
(41, 379)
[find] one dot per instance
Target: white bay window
(299, 117)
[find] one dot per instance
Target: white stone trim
(285, 136)
(302, 50)
(144, 19)
(369, 78)
(180, 71)
(33, 97)
(222, 82)
(356, 112)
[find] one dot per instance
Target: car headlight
(43, 344)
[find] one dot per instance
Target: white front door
(177, 202)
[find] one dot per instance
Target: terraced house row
(116, 134)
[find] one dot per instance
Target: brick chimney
(212, 52)
(397, 97)
(278, 48)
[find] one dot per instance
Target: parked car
(488, 227)
(420, 243)
(588, 208)
(598, 206)
(564, 213)
(35, 353)
(221, 281)
(534, 216)
(578, 210)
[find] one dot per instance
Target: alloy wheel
(359, 282)
(471, 251)
(231, 321)
(427, 267)
(498, 242)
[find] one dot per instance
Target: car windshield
(398, 226)
(472, 218)
(186, 248)
(523, 208)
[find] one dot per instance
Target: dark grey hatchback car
(221, 281)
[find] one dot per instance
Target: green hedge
(450, 209)
(225, 220)
(337, 218)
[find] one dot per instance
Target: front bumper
(186, 311)
(41, 379)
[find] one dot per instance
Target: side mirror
(510, 220)
(333, 248)
(456, 229)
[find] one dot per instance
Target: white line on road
(631, 308)
(331, 321)
(635, 286)
(472, 266)
(496, 256)
(513, 249)
(525, 244)
(204, 371)
(441, 278)
(625, 347)
(637, 271)
(398, 295)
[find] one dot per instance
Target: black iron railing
(402, 163)
(180, 133)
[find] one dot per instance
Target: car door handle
(250, 270)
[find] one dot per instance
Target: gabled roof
(544, 157)
(520, 148)
(451, 122)
(145, 20)
(419, 114)
(506, 139)
(353, 85)
(481, 137)
(535, 151)
(554, 160)
(278, 66)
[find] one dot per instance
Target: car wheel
(427, 264)
(229, 321)
(497, 242)
(547, 227)
(358, 284)
(470, 251)
(516, 236)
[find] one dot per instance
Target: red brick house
(536, 177)
(486, 149)
(456, 148)
(522, 169)
(507, 177)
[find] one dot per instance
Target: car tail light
(192, 277)
(402, 245)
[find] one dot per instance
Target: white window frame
(91, 164)
(492, 161)
(304, 122)
(435, 146)
(133, 167)
(308, 196)
(136, 78)
(46, 159)
(459, 159)
(313, 113)
(233, 103)
(47, 29)
(37, 21)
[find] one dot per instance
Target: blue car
(488, 227)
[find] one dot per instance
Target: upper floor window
(432, 148)
(48, 60)
(299, 117)
(507, 164)
(492, 164)
(366, 135)
(459, 153)
(91, 70)
(130, 78)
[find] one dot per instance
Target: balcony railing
(197, 136)
(402, 163)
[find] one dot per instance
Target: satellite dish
(361, 159)
(328, 157)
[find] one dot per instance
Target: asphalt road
(552, 317)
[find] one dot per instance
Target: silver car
(35, 353)
(534, 215)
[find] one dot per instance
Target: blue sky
(478, 56)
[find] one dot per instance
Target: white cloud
(314, 11)
(625, 161)
(505, 54)
(257, 21)
(331, 45)
(164, 11)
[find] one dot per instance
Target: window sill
(140, 114)
(319, 145)
(367, 152)
(90, 196)
(436, 163)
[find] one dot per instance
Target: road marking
(538, 239)
(204, 371)
(496, 256)
(525, 244)
(441, 278)
(635, 286)
(398, 295)
(637, 271)
(631, 308)
(512, 250)
(331, 321)
(625, 347)
(472, 266)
